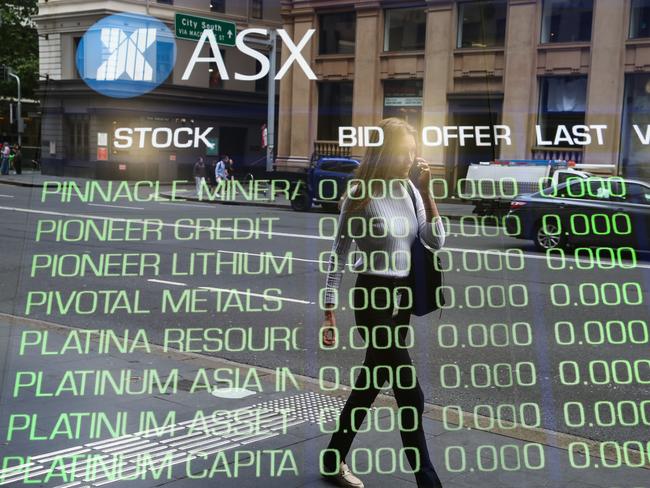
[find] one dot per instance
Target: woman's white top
(384, 231)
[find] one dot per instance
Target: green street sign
(214, 151)
(191, 27)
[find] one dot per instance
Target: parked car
(324, 183)
(596, 211)
(491, 186)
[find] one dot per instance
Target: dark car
(325, 182)
(604, 212)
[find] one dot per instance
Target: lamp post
(5, 73)
(19, 118)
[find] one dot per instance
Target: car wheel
(547, 237)
(302, 202)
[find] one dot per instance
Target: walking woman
(392, 222)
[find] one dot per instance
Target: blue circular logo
(126, 55)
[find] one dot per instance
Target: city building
(532, 65)
(78, 124)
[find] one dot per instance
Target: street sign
(191, 27)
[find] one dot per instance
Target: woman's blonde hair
(376, 163)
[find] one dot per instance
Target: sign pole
(270, 122)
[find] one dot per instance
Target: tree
(19, 45)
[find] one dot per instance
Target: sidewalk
(453, 211)
(250, 423)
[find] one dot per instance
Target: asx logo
(137, 53)
(126, 55)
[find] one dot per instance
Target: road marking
(163, 282)
(280, 234)
(285, 299)
(114, 206)
(233, 290)
(184, 441)
(7, 196)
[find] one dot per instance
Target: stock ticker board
(425, 260)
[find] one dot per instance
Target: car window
(598, 189)
(637, 194)
(329, 165)
(346, 167)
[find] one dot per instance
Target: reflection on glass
(640, 19)
(405, 29)
(482, 23)
(567, 20)
(337, 33)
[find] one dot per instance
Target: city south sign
(191, 27)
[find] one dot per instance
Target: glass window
(482, 24)
(588, 189)
(338, 166)
(167, 2)
(635, 193)
(214, 76)
(640, 19)
(405, 29)
(218, 6)
(635, 136)
(76, 137)
(257, 9)
(567, 20)
(165, 61)
(337, 33)
(562, 102)
(78, 54)
(261, 84)
(403, 99)
(334, 108)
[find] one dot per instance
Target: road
(523, 337)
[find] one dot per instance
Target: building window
(166, 2)
(261, 84)
(214, 76)
(257, 9)
(562, 102)
(635, 152)
(165, 62)
(78, 57)
(334, 108)
(403, 99)
(76, 135)
(640, 19)
(482, 23)
(218, 6)
(337, 33)
(567, 20)
(405, 29)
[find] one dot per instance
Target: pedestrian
(12, 155)
(220, 169)
(230, 168)
(18, 159)
(385, 356)
(4, 164)
(211, 171)
(199, 176)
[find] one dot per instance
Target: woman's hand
(329, 328)
(425, 174)
(423, 182)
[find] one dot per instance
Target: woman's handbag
(425, 277)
